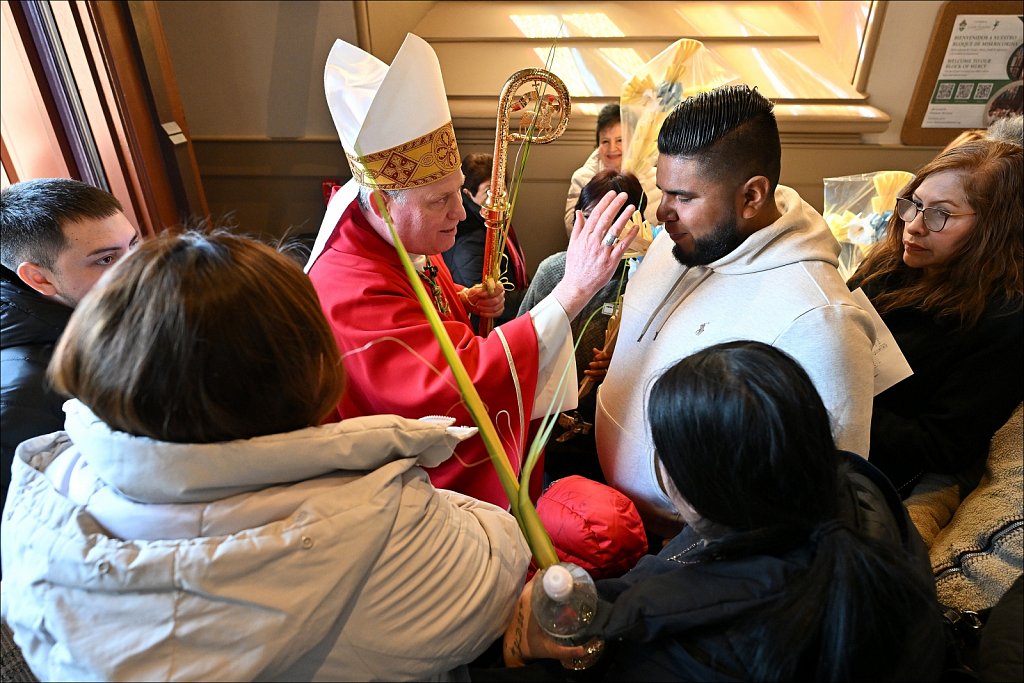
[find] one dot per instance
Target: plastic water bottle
(564, 604)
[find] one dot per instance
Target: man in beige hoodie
(741, 257)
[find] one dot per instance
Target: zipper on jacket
(962, 557)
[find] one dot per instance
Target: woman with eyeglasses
(947, 281)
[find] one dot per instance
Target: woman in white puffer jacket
(193, 523)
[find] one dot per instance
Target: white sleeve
(570, 202)
(447, 585)
(580, 177)
(556, 362)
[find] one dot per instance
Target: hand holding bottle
(525, 641)
(552, 619)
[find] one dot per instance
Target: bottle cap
(557, 582)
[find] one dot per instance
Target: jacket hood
(27, 317)
(151, 471)
(593, 525)
(800, 234)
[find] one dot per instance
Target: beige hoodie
(780, 287)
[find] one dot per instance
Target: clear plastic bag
(857, 210)
(683, 69)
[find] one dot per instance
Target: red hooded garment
(592, 525)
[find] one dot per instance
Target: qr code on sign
(945, 91)
(964, 90)
(983, 91)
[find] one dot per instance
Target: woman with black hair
(797, 560)
(571, 449)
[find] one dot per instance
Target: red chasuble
(394, 363)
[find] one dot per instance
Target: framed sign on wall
(971, 74)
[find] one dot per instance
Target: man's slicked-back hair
(731, 131)
(34, 212)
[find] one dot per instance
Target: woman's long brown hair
(986, 265)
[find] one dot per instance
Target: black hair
(746, 441)
(608, 116)
(34, 212)
(730, 130)
(746, 409)
(608, 180)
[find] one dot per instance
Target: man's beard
(708, 249)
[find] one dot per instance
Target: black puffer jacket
(674, 620)
(30, 325)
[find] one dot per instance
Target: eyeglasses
(934, 219)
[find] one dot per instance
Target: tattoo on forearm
(517, 649)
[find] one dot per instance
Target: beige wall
(250, 75)
(251, 81)
(898, 60)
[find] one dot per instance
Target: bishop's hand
(479, 302)
(595, 250)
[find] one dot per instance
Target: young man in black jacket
(57, 237)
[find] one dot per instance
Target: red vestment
(395, 365)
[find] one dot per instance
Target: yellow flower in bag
(637, 89)
(887, 186)
(682, 69)
(839, 224)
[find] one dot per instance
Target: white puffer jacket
(321, 554)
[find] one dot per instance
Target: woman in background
(465, 260)
(192, 522)
(947, 282)
(606, 157)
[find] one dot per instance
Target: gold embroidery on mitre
(418, 162)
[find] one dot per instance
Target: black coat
(671, 618)
(965, 385)
(675, 621)
(465, 260)
(30, 325)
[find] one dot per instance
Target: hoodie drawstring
(704, 271)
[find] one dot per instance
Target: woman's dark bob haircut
(198, 338)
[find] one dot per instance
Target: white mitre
(393, 122)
